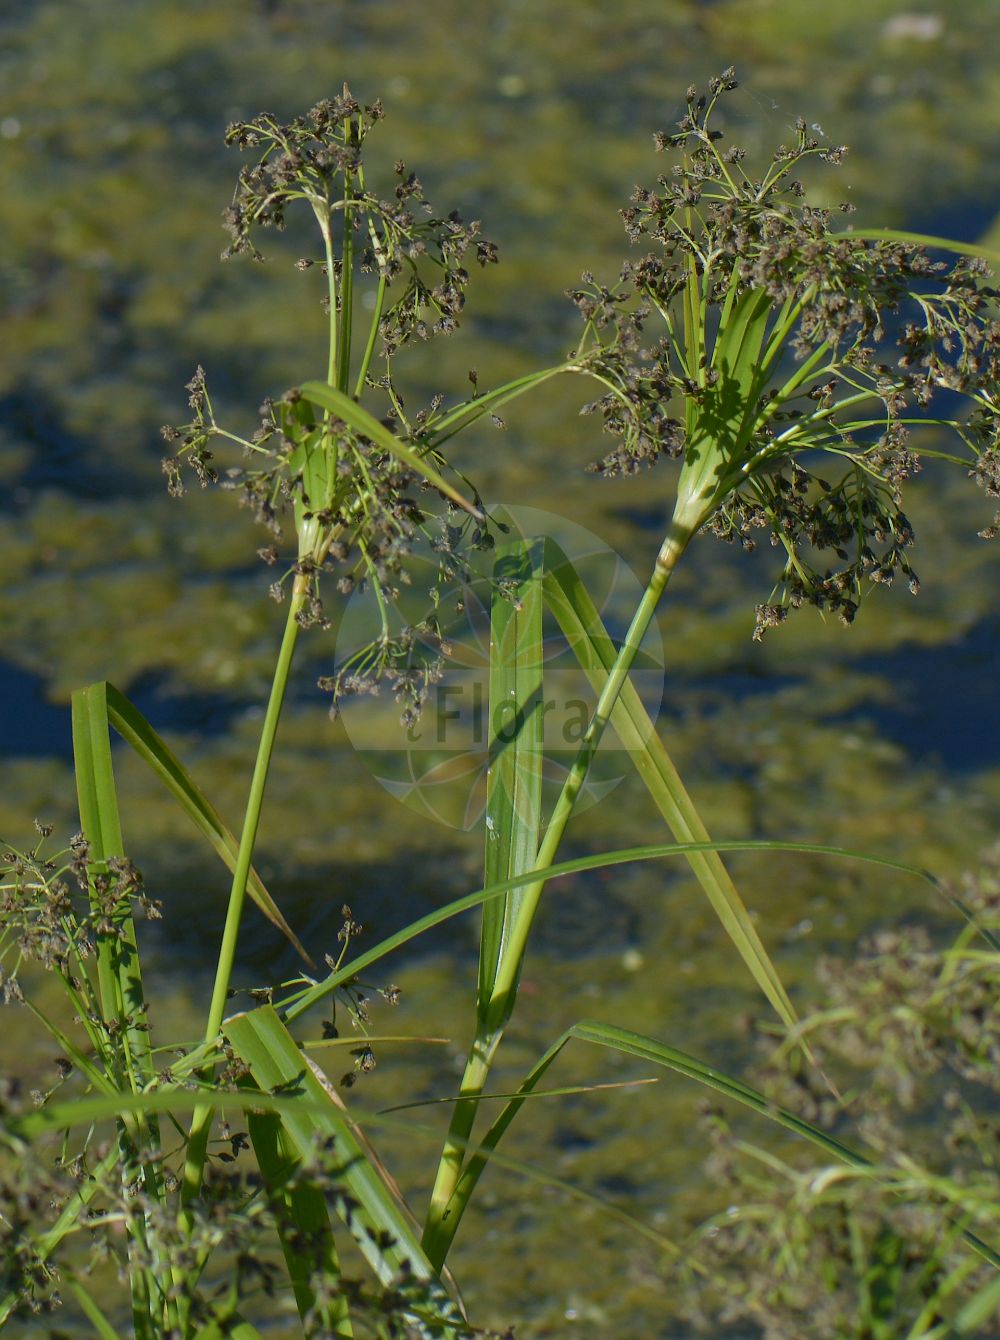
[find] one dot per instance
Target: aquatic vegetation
(909, 1030)
(779, 338)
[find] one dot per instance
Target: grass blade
(298, 1003)
(314, 464)
(981, 1307)
(455, 420)
(514, 777)
(565, 1091)
(737, 347)
(95, 1108)
(717, 426)
(233, 1328)
(90, 1310)
(119, 976)
(357, 417)
(922, 240)
(303, 1224)
(513, 823)
(322, 1044)
(122, 1000)
(570, 602)
(375, 1215)
(659, 1053)
(136, 731)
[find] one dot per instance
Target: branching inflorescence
(779, 338)
(357, 502)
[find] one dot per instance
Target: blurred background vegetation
(536, 116)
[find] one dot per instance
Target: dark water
(945, 710)
(37, 727)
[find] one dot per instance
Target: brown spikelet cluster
(863, 341)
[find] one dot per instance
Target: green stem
(438, 1232)
(459, 418)
(991, 254)
(323, 218)
(346, 299)
(202, 1119)
(366, 360)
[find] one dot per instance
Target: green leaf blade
(991, 254)
(118, 967)
(303, 1224)
(136, 731)
(570, 602)
(357, 417)
(374, 1212)
(516, 740)
(302, 1001)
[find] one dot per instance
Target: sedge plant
(748, 339)
(909, 1025)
